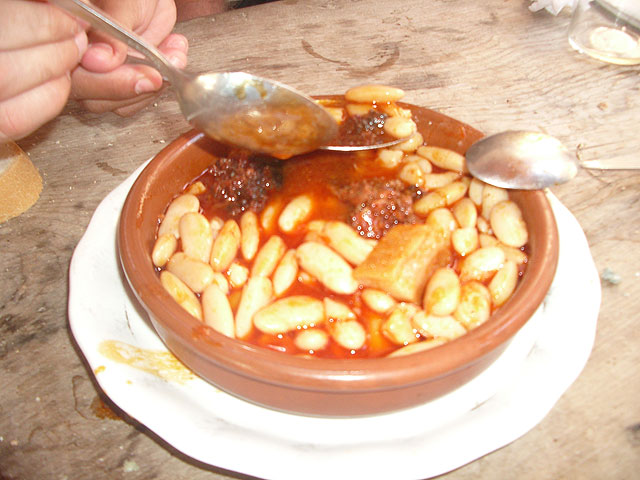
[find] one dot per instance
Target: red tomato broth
(311, 174)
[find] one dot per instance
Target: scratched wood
(492, 64)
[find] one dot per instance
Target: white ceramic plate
(216, 428)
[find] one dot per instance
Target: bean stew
(343, 255)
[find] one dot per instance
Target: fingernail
(102, 50)
(177, 41)
(144, 85)
(81, 43)
(177, 61)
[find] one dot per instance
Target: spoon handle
(100, 21)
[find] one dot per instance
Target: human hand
(39, 46)
(103, 82)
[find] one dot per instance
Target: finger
(130, 110)
(174, 43)
(152, 20)
(103, 54)
(24, 113)
(26, 24)
(27, 68)
(123, 83)
(123, 108)
(101, 57)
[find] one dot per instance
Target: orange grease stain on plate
(158, 363)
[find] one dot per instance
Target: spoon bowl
(522, 160)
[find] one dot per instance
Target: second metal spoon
(521, 160)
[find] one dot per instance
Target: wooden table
(493, 64)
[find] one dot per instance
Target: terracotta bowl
(323, 387)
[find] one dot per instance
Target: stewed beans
(340, 255)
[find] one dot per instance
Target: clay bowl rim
(318, 374)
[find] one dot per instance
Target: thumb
(104, 53)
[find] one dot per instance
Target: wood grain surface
(492, 64)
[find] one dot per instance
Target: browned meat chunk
(378, 205)
(363, 129)
(240, 183)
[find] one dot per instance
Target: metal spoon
(521, 160)
(235, 108)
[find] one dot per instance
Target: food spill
(162, 364)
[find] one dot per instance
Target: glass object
(607, 30)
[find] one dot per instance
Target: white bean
(311, 339)
(412, 174)
(377, 300)
(438, 326)
(511, 253)
(515, 255)
(373, 94)
(196, 274)
(256, 293)
(225, 247)
(440, 197)
(410, 145)
(165, 246)
(503, 283)
(397, 327)
(475, 305)
(444, 158)
(482, 264)
(195, 236)
(392, 109)
(316, 226)
(347, 242)
(221, 281)
(442, 295)
(508, 225)
(268, 257)
(491, 196)
(349, 334)
(483, 226)
(475, 191)
(464, 240)
(216, 225)
(289, 313)
(337, 113)
(422, 162)
(250, 235)
(285, 273)
(181, 293)
(418, 347)
(327, 266)
(389, 158)
(337, 311)
(196, 188)
(400, 127)
(438, 180)
(487, 240)
(442, 220)
(465, 212)
(238, 274)
(358, 109)
(269, 215)
(217, 311)
(296, 212)
(177, 208)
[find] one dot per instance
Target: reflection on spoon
(521, 160)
